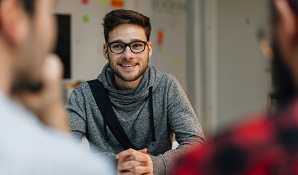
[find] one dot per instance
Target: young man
(149, 104)
(265, 144)
(34, 138)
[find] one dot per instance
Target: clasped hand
(134, 162)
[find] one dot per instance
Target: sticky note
(159, 48)
(117, 3)
(160, 40)
(177, 62)
(86, 18)
(85, 2)
(103, 1)
(160, 37)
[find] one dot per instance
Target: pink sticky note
(160, 37)
(85, 2)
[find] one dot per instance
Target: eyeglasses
(135, 47)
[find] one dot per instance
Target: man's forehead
(125, 39)
(127, 33)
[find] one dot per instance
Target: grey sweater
(172, 110)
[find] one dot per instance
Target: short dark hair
(120, 16)
(283, 82)
(29, 6)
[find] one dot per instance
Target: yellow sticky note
(103, 1)
(177, 62)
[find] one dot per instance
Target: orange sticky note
(160, 37)
(117, 3)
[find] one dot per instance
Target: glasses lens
(117, 47)
(137, 47)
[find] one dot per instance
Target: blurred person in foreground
(265, 144)
(33, 121)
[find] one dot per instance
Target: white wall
(87, 38)
(238, 74)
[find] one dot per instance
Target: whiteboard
(169, 18)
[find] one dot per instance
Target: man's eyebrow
(121, 41)
(137, 40)
(118, 40)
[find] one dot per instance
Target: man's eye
(136, 45)
(118, 46)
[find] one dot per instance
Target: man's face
(37, 45)
(128, 66)
(285, 34)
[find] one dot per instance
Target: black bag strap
(101, 96)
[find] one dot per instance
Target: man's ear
(14, 21)
(287, 32)
(150, 48)
(105, 50)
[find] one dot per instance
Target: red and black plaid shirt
(263, 145)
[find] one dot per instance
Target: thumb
(143, 150)
(52, 70)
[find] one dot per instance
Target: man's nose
(127, 54)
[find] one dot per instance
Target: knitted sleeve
(184, 123)
(77, 114)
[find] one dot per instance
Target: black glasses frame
(127, 44)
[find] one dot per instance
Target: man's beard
(129, 79)
(282, 79)
(23, 83)
(31, 87)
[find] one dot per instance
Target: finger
(130, 164)
(52, 73)
(130, 152)
(122, 161)
(52, 68)
(122, 171)
(139, 170)
(126, 173)
(126, 159)
(126, 153)
(140, 157)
